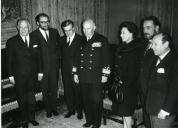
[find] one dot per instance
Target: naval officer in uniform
(91, 71)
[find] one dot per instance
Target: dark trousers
(49, 90)
(26, 98)
(92, 99)
(146, 117)
(72, 93)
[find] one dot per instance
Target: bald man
(91, 72)
(161, 79)
(22, 66)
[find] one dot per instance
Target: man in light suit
(162, 82)
(48, 38)
(23, 66)
(71, 43)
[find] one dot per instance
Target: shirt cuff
(74, 70)
(11, 78)
(164, 112)
(106, 71)
(40, 74)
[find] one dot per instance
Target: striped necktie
(47, 38)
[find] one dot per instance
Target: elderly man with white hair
(91, 72)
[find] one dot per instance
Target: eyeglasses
(44, 22)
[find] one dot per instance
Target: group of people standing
(85, 66)
(32, 57)
(147, 68)
(38, 55)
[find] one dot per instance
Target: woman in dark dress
(127, 63)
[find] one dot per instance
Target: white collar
(27, 38)
(71, 38)
(163, 55)
(43, 32)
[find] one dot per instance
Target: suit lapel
(30, 43)
(166, 60)
(40, 34)
(73, 41)
(21, 42)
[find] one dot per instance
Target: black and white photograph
(89, 64)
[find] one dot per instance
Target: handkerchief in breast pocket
(160, 70)
(35, 46)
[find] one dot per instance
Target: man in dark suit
(22, 70)
(161, 80)
(71, 43)
(92, 71)
(48, 38)
(150, 26)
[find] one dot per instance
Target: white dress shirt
(27, 38)
(43, 32)
(70, 39)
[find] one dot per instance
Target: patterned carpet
(61, 122)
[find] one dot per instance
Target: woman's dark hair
(132, 27)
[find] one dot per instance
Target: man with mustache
(48, 39)
(150, 27)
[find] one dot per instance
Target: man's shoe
(25, 125)
(34, 123)
(86, 125)
(55, 113)
(69, 114)
(95, 126)
(48, 114)
(79, 116)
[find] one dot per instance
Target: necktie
(147, 48)
(68, 42)
(26, 42)
(158, 60)
(88, 38)
(47, 38)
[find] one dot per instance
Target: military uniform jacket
(93, 60)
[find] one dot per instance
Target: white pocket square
(34, 46)
(160, 70)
